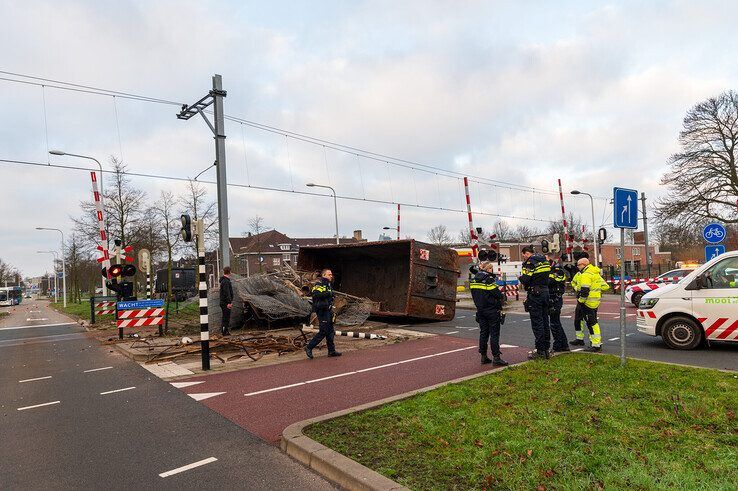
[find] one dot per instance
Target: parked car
(634, 293)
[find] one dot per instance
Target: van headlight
(648, 303)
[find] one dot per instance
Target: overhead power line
(267, 188)
(88, 89)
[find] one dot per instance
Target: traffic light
(119, 270)
(544, 246)
(186, 231)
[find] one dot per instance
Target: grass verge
(574, 422)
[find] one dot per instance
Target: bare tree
(577, 230)
(526, 233)
(703, 183)
(7, 273)
(169, 218)
(257, 227)
(124, 208)
(503, 231)
(439, 235)
(196, 203)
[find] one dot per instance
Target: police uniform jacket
(322, 295)
(485, 293)
(536, 271)
(226, 291)
(557, 282)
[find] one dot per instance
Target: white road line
(578, 349)
(41, 319)
(188, 467)
(33, 379)
(613, 339)
(38, 405)
(526, 320)
(116, 390)
(451, 332)
(566, 317)
(630, 334)
(508, 346)
(33, 327)
(182, 385)
(344, 374)
(96, 369)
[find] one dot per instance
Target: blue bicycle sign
(714, 233)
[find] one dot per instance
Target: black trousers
(538, 304)
(489, 331)
(325, 330)
(557, 330)
(226, 324)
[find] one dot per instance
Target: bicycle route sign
(714, 233)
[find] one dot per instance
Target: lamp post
(102, 193)
(56, 288)
(594, 227)
(64, 266)
(387, 228)
(335, 203)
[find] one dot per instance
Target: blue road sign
(141, 304)
(713, 251)
(714, 233)
(625, 213)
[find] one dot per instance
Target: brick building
(270, 250)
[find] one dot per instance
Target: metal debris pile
(283, 297)
(253, 346)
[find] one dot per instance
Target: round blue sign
(714, 233)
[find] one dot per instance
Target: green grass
(573, 422)
(4, 314)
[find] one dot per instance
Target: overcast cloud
(591, 92)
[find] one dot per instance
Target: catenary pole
(220, 157)
(645, 236)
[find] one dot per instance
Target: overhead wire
(267, 188)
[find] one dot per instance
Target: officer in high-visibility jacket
(536, 271)
(488, 300)
(591, 285)
(556, 290)
(323, 308)
(578, 312)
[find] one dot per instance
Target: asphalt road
(78, 415)
(517, 331)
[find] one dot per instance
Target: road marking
(462, 317)
(34, 379)
(344, 374)
(205, 395)
(526, 320)
(116, 390)
(38, 405)
(613, 339)
(97, 369)
(34, 311)
(182, 385)
(508, 346)
(566, 317)
(452, 332)
(41, 319)
(578, 349)
(630, 334)
(188, 467)
(33, 327)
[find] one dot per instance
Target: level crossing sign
(625, 212)
(713, 251)
(141, 304)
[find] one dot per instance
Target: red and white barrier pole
(567, 239)
(398, 221)
(472, 232)
(105, 259)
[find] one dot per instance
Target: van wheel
(681, 333)
(636, 298)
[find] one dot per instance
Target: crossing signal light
(186, 231)
(485, 255)
(119, 270)
(544, 246)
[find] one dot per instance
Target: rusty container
(408, 278)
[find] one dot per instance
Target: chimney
(357, 235)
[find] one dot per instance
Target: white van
(701, 306)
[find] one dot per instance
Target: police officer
(226, 301)
(535, 277)
(556, 289)
(591, 284)
(323, 308)
(488, 301)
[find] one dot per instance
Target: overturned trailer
(406, 277)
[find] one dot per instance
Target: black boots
(577, 342)
(499, 362)
(485, 360)
(309, 352)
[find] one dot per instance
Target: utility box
(408, 278)
(184, 284)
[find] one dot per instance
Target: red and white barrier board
(145, 321)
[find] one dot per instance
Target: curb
(338, 468)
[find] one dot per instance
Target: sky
(523, 93)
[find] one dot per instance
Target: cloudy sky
(519, 92)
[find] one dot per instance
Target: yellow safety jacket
(575, 281)
(592, 282)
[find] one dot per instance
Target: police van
(703, 306)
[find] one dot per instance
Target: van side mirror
(696, 284)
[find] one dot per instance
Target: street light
(335, 203)
(594, 226)
(102, 193)
(56, 287)
(387, 228)
(64, 266)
